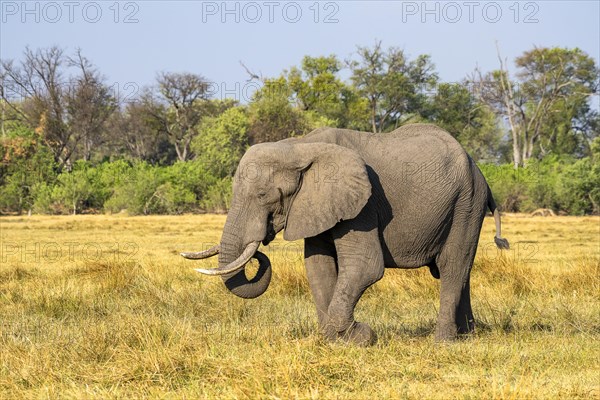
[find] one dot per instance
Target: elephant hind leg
(455, 262)
(465, 322)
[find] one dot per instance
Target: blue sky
(132, 41)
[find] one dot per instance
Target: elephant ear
(334, 186)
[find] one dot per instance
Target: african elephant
(361, 202)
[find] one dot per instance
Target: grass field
(103, 307)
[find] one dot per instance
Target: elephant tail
(501, 243)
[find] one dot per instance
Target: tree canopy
(70, 144)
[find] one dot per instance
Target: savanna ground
(103, 307)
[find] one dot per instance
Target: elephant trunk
(241, 286)
(233, 250)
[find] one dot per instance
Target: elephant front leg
(322, 274)
(360, 264)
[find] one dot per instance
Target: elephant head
(304, 188)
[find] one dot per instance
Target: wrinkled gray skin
(363, 202)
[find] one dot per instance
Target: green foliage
(319, 91)
(222, 142)
(26, 165)
(42, 201)
(77, 189)
(570, 72)
(508, 185)
(84, 188)
(580, 187)
(218, 196)
(548, 106)
(29, 181)
(271, 115)
(172, 199)
(136, 194)
(393, 85)
(563, 185)
(194, 176)
(130, 153)
(183, 187)
(316, 85)
(454, 108)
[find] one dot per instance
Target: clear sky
(130, 41)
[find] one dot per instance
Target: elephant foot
(447, 333)
(358, 333)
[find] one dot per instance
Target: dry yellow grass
(103, 307)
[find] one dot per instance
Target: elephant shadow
(390, 333)
(385, 215)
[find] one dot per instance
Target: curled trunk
(241, 286)
(232, 246)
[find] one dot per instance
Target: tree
(394, 87)
(223, 142)
(317, 88)
(271, 115)
(550, 81)
(179, 108)
(68, 111)
(74, 188)
(134, 131)
(454, 108)
(569, 129)
(587, 126)
(89, 105)
(26, 165)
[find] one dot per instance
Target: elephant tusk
(235, 265)
(203, 254)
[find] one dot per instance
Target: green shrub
(561, 184)
(43, 203)
(579, 190)
(26, 164)
(174, 199)
(192, 176)
(508, 185)
(218, 196)
(30, 181)
(136, 192)
(222, 142)
(77, 190)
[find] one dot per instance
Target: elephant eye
(261, 195)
